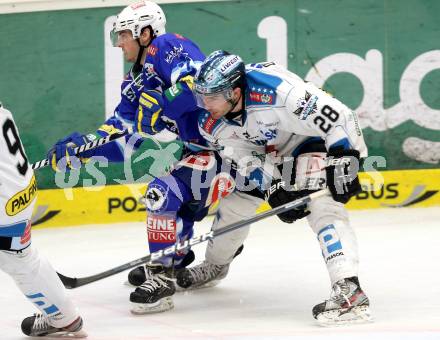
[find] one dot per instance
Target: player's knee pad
(16, 263)
(237, 206)
(325, 210)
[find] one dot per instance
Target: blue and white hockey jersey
(282, 113)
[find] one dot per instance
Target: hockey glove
(148, 120)
(63, 149)
(277, 195)
(342, 174)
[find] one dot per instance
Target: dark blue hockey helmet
(218, 76)
(219, 72)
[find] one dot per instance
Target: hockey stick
(105, 140)
(88, 146)
(73, 282)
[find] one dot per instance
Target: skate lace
(205, 271)
(340, 293)
(155, 282)
(148, 272)
(41, 323)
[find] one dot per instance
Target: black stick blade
(68, 282)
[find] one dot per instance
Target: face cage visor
(208, 100)
(119, 37)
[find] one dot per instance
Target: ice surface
(271, 287)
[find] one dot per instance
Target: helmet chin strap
(230, 114)
(137, 67)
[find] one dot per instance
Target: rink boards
(119, 203)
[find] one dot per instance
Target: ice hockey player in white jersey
(312, 141)
(32, 273)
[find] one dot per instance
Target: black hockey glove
(277, 195)
(342, 174)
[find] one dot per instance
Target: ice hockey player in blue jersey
(161, 61)
(169, 62)
(157, 101)
(267, 106)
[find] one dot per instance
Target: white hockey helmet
(138, 16)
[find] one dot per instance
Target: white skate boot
(348, 304)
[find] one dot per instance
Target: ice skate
(155, 294)
(348, 304)
(137, 276)
(204, 275)
(38, 325)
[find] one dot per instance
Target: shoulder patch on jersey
(306, 106)
(261, 88)
(152, 50)
(267, 97)
(22, 199)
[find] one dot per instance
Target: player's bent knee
(324, 211)
(16, 263)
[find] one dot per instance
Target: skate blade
(150, 308)
(67, 335)
(356, 315)
(203, 286)
(181, 289)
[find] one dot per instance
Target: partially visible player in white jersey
(32, 273)
(314, 141)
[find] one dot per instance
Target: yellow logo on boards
(22, 199)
